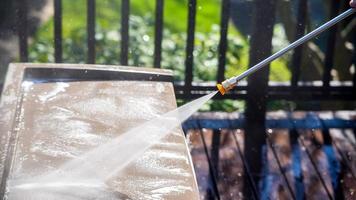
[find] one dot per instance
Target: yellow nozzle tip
(221, 89)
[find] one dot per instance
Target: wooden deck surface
(298, 163)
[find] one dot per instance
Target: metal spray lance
(232, 82)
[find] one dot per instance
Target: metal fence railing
(188, 90)
(256, 91)
(284, 163)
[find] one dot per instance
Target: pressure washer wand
(232, 82)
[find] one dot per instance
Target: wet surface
(304, 163)
(59, 121)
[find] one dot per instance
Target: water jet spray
(230, 83)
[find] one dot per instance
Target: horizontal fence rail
(238, 123)
(294, 90)
(189, 90)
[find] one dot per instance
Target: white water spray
(91, 170)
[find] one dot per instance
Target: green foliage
(176, 15)
(142, 46)
(226, 105)
(281, 105)
(141, 41)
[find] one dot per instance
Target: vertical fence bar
(299, 32)
(21, 23)
(215, 146)
(247, 173)
(354, 63)
(58, 31)
(212, 172)
(257, 88)
(158, 33)
(224, 24)
(91, 31)
(125, 12)
(334, 165)
(190, 44)
(296, 162)
(329, 55)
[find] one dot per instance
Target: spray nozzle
(227, 85)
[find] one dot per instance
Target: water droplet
(349, 156)
(146, 38)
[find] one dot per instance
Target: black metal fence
(261, 37)
(293, 182)
(189, 90)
